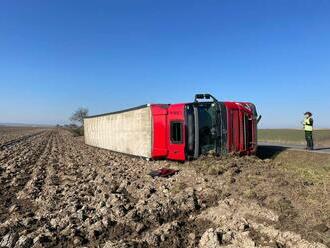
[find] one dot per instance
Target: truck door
(176, 132)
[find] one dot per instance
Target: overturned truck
(177, 131)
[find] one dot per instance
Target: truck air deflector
(196, 122)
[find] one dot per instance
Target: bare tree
(79, 115)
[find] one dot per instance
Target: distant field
(292, 136)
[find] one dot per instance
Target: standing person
(308, 127)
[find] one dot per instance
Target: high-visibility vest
(308, 126)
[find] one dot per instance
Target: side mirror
(259, 118)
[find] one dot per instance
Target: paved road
(276, 146)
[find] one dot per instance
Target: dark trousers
(309, 139)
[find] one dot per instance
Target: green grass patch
(311, 167)
(292, 136)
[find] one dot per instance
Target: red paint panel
(236, 127)
(250, 110)
(237, 131)
(249, 146)
(232, 127)
(160, 142)
(176, 150)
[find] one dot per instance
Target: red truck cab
(187, 130)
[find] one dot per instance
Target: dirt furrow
(17, 172)
(68, 194)
(12, 143)
(21, 150)
(38, 173)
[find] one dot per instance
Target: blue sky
(107, 55)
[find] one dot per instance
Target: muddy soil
(10, 134)
(58, 192)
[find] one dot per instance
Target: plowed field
(58, 192)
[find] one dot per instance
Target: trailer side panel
(126, 131)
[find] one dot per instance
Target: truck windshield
(207, 128)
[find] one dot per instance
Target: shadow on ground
(322, 148)
(268, 152)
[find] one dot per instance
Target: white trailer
(129, 131)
